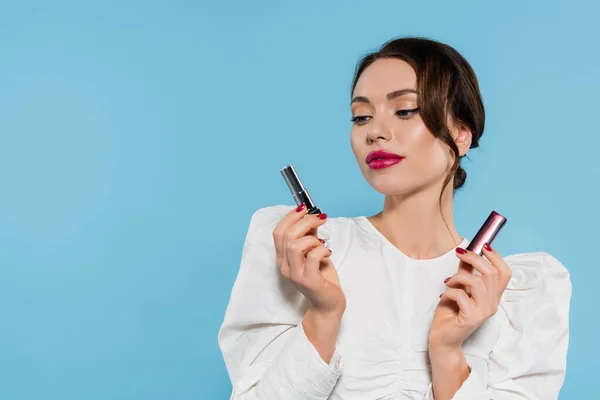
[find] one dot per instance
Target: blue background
(137, 138)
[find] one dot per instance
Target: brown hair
(446, 85)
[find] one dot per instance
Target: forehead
(385, 75)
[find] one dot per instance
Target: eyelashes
(406, 114)
(359, 119)
(402, 114)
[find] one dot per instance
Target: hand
(471, 299)
(304, 260)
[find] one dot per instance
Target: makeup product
(487, 232)
(298, 191)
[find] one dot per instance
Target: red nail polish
(441, 295)
(322, 241)
(446, 281)
(300, 207)
(460, 250)
(322, 216)
(487, 247)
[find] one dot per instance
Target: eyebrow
(389, 96)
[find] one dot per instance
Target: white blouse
(382, 345)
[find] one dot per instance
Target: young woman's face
(382, 108)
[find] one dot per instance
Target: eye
(407, 114)
(360, 119)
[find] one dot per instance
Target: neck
(415, 224)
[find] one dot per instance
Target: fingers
(297, 252)
(288, 220)
(304, 226)
(465, 303)
(313, 262)
(488, 272)
(478, 262)
(301, 228)
(504, 271)
(296, 223)
(479, 291)
(472, 314)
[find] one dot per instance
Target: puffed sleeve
(530, 357)
(265, 349)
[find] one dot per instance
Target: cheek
(355, 143)
(429, 153)
(439, 157)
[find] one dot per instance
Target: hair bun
(460, 176)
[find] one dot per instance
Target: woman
(360, 308)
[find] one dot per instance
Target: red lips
(382, 155)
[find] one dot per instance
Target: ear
(462, 137)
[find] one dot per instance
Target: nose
(379, 132)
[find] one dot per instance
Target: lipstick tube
(298, 191)
(487, 232)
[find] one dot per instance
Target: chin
(390, 185)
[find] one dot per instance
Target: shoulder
(338, 232)
(540, 258)
(533, 338)
(539, 281)
(535, 269)
(269, 217)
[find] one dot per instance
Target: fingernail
(460, 250)
(322, 241)
(300, 207)
(322, 216)
(487, 247)
(446, 280)
(441, 295)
